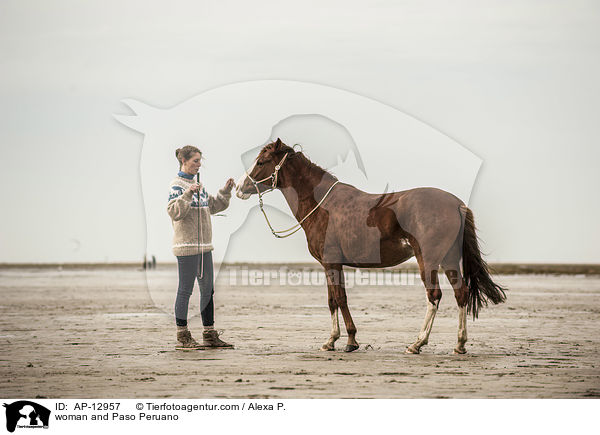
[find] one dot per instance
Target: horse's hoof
(327, 347)
(460, 350)
(412, 350)
(350, 347)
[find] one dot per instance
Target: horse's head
(264, 173)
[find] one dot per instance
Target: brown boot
(210, 338)
(186, 341)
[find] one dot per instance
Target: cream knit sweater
(183, 208)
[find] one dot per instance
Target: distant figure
(149, 264)
(190, 207)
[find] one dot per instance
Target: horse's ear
(278, 143)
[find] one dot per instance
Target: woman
(190, 208)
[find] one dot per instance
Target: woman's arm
(180, 202)
(221, 201)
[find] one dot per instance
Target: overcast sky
(515, 83)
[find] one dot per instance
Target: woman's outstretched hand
(229, 184)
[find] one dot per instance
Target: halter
(273, 176)
(281, 234)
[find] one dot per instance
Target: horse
(345, 226)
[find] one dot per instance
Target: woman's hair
(186, 153)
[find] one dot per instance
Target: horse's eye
(259, 163)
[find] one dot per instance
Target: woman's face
(192, 165)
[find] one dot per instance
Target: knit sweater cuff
(225, 194)
(187, 195)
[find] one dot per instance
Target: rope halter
(273, 176)
(282, 233)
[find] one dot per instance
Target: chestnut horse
(345, 226)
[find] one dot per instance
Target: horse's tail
(475, 270)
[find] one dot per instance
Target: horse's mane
(313, 167)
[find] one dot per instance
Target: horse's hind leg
(461, 293)
(335, 321)
(429, 275)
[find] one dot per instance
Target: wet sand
(102, 334)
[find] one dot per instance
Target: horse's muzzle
(240, 194)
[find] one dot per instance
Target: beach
(109, 333)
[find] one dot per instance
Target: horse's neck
(306, 185)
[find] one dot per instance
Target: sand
(104, 334)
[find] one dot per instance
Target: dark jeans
(189, 268)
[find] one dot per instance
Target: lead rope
(280, 234)
(273, 176)
(201, 263)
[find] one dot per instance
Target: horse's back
(412, 200)
(420, 213)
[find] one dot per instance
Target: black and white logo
(24, 414)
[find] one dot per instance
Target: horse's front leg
(335, 281)
(335, 321)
